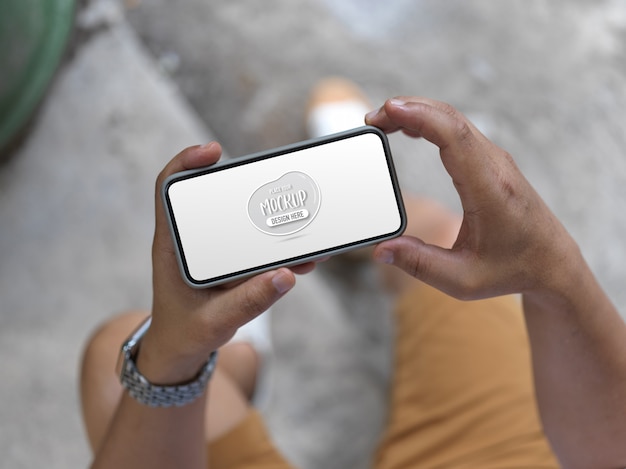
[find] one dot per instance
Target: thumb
(254, 296)
(440, 268)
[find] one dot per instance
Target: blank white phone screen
(284, 207)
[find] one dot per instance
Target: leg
(231, 417)
(462, 390)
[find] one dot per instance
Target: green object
(33, 37)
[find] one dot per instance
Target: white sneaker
(335, 104)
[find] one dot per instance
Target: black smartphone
(284, 206)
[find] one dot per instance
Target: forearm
(154, 438)
(579, 357)
(143, 436)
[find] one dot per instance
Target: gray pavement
(547, 81)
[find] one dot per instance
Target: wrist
(164, 382)
(555, 259)
(565, 280)
(161, 365)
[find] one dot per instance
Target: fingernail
(370, 115)
(282, 282)
(385, 256)
(206, 146)
(397, 102)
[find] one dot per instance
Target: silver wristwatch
(154, 395)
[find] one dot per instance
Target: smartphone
(283, 207)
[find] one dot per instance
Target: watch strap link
(154, 395)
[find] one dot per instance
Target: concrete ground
(547, 81)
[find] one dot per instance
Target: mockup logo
(286, 205)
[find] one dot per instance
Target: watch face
(129, 346)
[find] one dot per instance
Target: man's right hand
(509, 241)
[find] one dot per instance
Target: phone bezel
(248, 159)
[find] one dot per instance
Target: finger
(305, 268)
(379, 118)
(190, 158)
(447, 270)
(434, 120)
(254, 296)
(438, 122)
(384, 119)
(465, 152)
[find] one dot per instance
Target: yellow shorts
(461, 395)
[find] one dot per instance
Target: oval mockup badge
(286, 205)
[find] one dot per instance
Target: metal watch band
(154, 395)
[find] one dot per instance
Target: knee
(102, 348)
